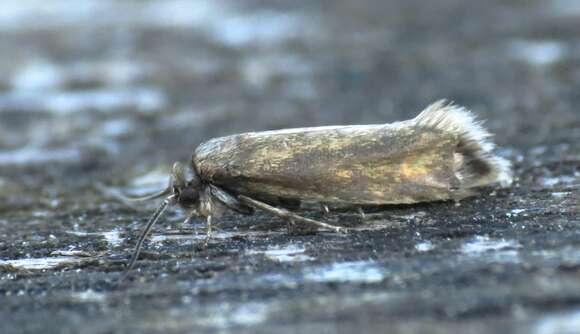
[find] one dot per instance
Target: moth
(442, 154)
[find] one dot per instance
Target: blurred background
(104, 92)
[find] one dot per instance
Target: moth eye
(188, 197)
(193, 183)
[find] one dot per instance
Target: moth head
(183, 189)
(184, 186)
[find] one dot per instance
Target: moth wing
(363, 164)
(424, 159)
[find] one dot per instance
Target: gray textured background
(100, 97)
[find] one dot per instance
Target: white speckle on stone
(483, 244)
(39, 263)
(290, 253)
(565, 180)
(65, 103)
(562, 323)
(249, 314)
(515, 212)
(32, 155)
(39, 75)
(560, 194)
(89, 296)
(229, 316)
(537, 53)
(36, 76)
(105, 100)
(358, 271)
(117, 127)
(424, 246)
(112, 237)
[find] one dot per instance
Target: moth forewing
(432, 157)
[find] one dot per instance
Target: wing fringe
(476, 164)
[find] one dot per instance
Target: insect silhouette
(442, 154)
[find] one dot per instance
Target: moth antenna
(156, 195)
(156, 215)
(128, 200)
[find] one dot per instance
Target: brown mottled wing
(367, 164)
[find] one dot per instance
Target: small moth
(442, 154)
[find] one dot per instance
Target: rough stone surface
(100, 97)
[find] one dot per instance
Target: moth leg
(230, 201)
(361, 213)
(287, 215)
(188, 220)
(209, 206)
(294, 227)
(193, 229)
(208, 232)
(324, 208)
